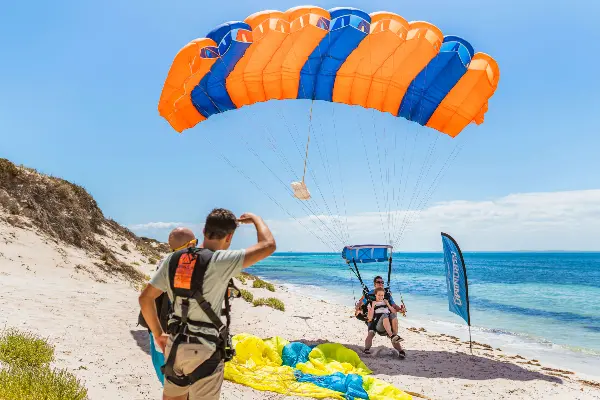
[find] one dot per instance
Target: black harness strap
(357, 273)
(198, 259)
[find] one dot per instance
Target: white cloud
(155, 225)
(524, 221)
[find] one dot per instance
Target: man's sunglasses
(378, 281)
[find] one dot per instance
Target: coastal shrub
(24, 349)
(29, 383)
(259, 283)
(241, 278)
(246, 295)
(28, 375)
(270, 302)
(124, 247)
(248, 275)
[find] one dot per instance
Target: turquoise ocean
(544, 306)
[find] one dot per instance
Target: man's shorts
(380, 327)
(189, 356)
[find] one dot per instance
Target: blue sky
(81, 81)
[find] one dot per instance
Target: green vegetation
(246, 295)
(241, 278)
(270, 302)
(28, 375)
(24, 349)
(259, 283)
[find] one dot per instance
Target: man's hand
(246, 218)
(161, 341)
(265, 245)
(401, 309)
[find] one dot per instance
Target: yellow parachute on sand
(331, 370)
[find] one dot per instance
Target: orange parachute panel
(190, 65)
(281, 76)
(467, 100)
(245, 83)
(422, 44)
(355, 82)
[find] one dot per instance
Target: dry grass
(68, 213)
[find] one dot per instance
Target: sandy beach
(57, 291)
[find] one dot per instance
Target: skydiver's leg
(398, 347)
(387, 326)
(394, 321)
(388, 329)
(369, 341)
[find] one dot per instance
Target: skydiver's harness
(371, 297)
(187, 269)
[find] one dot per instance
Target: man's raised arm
(265, 245)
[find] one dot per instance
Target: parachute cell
(342, 55)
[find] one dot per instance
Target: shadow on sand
(441, 364)
(142, 339)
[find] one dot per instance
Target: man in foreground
(199, 278)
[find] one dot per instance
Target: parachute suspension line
(272, 143)
(371, 174)
(306, 207)
(260, 189)
(306, 161)
(335, 225)
(434, 185)
(417, 131)
(417, 192)
(326, 162)
(308, 139)
(288, 189)
(388, 233)
(289, 130)
(340, 173)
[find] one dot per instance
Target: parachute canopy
(367, 253)
(342, 55)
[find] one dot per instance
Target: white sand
(91, 318)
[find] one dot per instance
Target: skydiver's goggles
(191, 243)
(379, 281)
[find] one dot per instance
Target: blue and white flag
(456, 279)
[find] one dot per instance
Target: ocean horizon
(539, 304)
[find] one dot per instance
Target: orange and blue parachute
(342, 55)
(378, 62)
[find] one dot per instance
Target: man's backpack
(163, 307)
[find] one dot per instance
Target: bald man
(179, 238)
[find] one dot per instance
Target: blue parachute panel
(210, 95)
(350, 385)
(367, 253)
(435, 81)
(348, 27)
